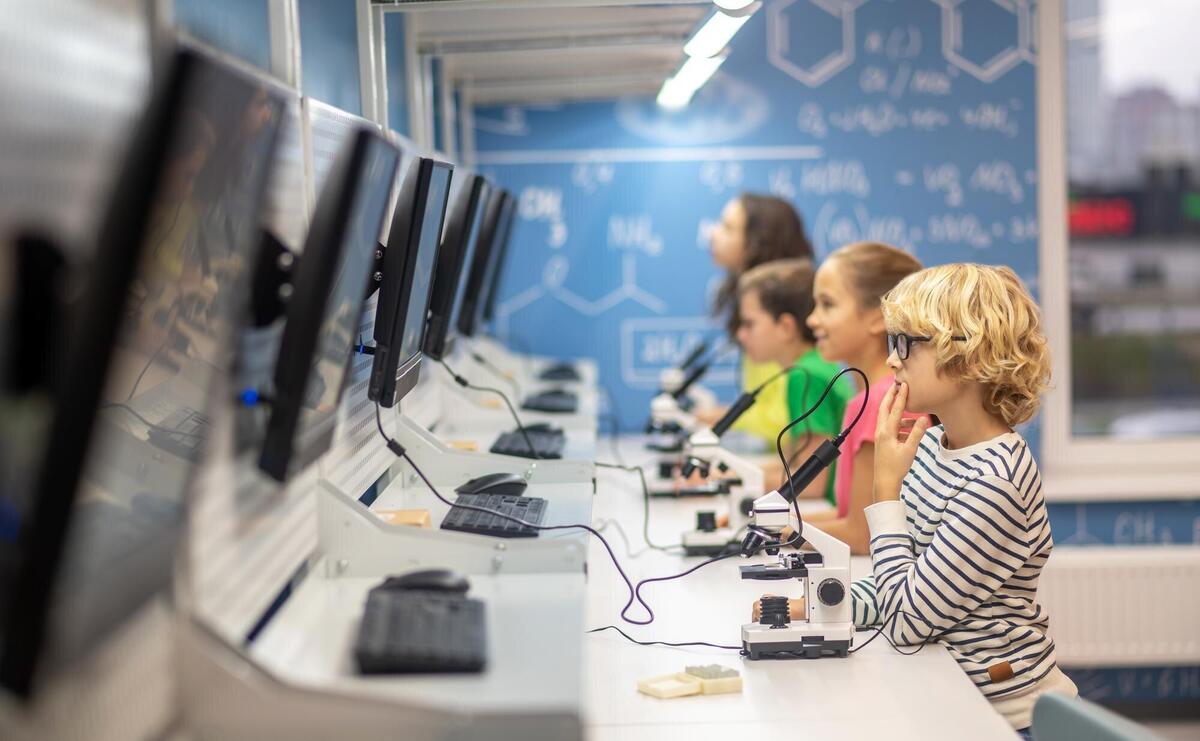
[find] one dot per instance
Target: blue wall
(329, 53)
(887, 136)
(241, 27)
(395, 50)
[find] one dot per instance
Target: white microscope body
(827, 627)
(704, 452)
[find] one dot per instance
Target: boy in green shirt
(773, 301)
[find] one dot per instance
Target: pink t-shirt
(863, 432)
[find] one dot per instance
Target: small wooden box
(410, 517)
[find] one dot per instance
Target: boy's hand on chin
(896, 442)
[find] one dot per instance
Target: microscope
(703, 453)
(671, 417)
(827, 626)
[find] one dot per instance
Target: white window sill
(1124, 485)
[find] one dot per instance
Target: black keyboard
(526, 509)
(546, 444)
(413, 630)
(560, 372)
(182, 433)
(558, 402)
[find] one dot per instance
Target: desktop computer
(93, 537)
(328, 287)
(409, 259)
(459, 240)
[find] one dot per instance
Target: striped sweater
(958, 557)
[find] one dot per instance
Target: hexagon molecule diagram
(830, 19)
(1013, 15)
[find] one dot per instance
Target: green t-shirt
(805, 385)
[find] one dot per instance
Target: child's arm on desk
(863, 604)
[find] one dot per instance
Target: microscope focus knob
(831, 592)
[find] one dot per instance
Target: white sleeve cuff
(886, 518)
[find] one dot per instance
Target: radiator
(1124, 606)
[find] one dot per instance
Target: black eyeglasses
(901, 343)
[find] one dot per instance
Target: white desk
(876, 692)
(581, 443)
(525, 691)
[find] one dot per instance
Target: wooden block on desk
(670, 686)
(410, 517)
(716, 679)
(469, 446)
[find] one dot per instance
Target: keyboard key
(527, 509)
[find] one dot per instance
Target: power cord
(495, 369)
(491, 390)
(641, 472)
(631, 639)
(879, 630)
(634, 591)
(787, 470)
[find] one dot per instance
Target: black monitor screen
(458, 248)
(151, 333)
(468, 258)
(422, 276)
(412, 249)
(487, 254)
(326, 303)
(491, 289)
(413, 245)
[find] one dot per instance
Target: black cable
(634, 592)
(512, 410)
(641, 472)
(879, 630)
(495, 369)
(758, 389)
(524, 350)
(787, 471)
(138, 381)
(631, 639)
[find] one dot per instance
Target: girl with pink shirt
(848, 324)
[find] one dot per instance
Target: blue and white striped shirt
(957, 559)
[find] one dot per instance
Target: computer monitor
(484, 265)
(503, 240)
(458, 245)
(323, 312)
(96, 532)
(412, 249)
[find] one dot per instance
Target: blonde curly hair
(1005, 349)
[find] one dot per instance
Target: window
(1119, 118)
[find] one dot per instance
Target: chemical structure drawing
(554, 275)
(956, 51)
(786, 56)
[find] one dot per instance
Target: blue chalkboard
(907, 122)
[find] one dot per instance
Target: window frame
(1077, 468)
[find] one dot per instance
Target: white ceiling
(523, 51)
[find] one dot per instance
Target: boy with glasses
(959, 532)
